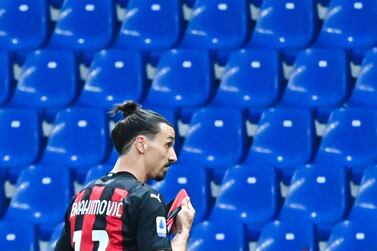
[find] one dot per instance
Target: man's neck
(132, 165)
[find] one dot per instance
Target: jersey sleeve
(151, 229)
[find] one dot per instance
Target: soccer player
(119, 211)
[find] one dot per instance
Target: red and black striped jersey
(115, 213)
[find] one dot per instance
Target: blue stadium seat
(79, 140)
(42, 194)
(285, 138)
(251, 79)
(216, 139)
(250, 194)
(183, 78)
(55, 236)
(14, 33)
(84, 25)
(13, 236)
(285, 24)
(349, 24)
(217, 235)
(195, 180)
(318, 194)
(150, 25)
(6, 78)
(365, 205)
(49, 79)
(114, 76)
(21, 139)
(350, 139)
(287, 235)
(353, 235)
(3, 202)
(365, 92)
(218, 24)
(97, 172)
(319, 79)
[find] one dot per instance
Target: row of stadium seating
(285, 138)
(159, 24)
(248, 203)
(253, 79)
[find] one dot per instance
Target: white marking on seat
(350, 39)
(187, 64)
(52, 64)
(321, 179)
(322, 63)
(182, 180)
(11, 237)
(289, 6)
(360, 236)
(210, 158)
(219, 123)
(74, 157)
(246, 97)
(23, 7)
(90, 7)
(6, 158)
(313, 214)
(37, 214)
(287, 123)
(81, 40)
(281, 39)
(251, 180)
(14, 41)
(349, 158)
(110, 98)
(358, 5)
(243, 215)
(82, 123)
(119, 64)
(314, 97)
(44, 98)
(178, 97)
(155, 7)
(280, 158)
(220, 236)
(255, 64)
(46, 180)
(215, 40)
(356, 123)
(15, 124)
(289, 236)
(147, 40)
(222, 6)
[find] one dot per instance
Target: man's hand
(183, 225)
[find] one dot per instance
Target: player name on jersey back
(95, 207)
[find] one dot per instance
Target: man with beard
(120, 211)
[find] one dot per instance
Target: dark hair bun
(128, 107)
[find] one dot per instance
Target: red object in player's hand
(174, 207)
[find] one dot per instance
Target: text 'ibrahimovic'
(95, 207)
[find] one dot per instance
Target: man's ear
(140, 143)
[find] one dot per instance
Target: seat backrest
(153, 24)
(251, 79)
(296, 31)
(115, 75)
(249, 193)
(84, 25)
(341, 31)
(15, 35)
(79, 138)
(319, 78)
(365, 92)
(218, 24)
(183, 78)
(350, 139)
(287, 235)
(21, 137)
(14, 237)
(216, 138)
(319, 194)
(6, 78)
(48, 79)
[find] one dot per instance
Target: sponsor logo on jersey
(156, 196)
(161, 226)
(95, 207)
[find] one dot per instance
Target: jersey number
(97, 235)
